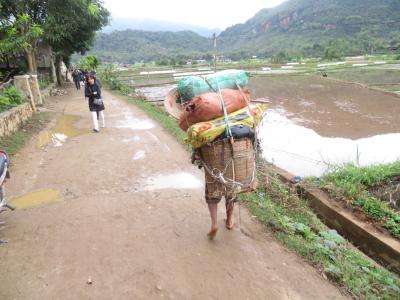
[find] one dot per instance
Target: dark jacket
(92, 92)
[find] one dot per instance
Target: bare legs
(230, 205)
(213, 208)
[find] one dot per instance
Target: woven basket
(236, 162)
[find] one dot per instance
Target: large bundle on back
(220, 123)
(192, 86)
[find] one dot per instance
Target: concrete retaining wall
(381, 246)
(11, 120)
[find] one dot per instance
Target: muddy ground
(122, 216)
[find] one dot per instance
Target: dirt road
(125, 211)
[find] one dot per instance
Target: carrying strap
(226, 119)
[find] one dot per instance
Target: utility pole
(215, 52)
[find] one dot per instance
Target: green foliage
(9, 98)
(308, 27)
(71, 26)
(299, 229)
(166, 48)
(280, 58)
(352, 182)
(67, 25)
(44, 83)
(109, 77)
(331, 54)
(18, 35)
(90, 63)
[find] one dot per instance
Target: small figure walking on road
(76, 76)
(96, 105)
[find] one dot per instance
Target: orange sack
(207, 107)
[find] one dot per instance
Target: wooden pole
(215, 52)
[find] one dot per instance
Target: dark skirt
(94, 107)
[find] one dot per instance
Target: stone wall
(11, 120)
(46, 93)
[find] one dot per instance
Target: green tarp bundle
(192, 86)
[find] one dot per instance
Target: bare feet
(211, 235)
(229, 216)
(230, 224)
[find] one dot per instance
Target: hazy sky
(206, 13)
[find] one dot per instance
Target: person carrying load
(220, 124)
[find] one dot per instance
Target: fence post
(21, 82)
(37, 96)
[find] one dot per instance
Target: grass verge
(17, 140)
(298, 228)
(352, 184)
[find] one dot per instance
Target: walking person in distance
(96, 105)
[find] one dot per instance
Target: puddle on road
(303, 152)
(133, 139)
(36, 199)
(64, 129)
(141, 154)
(130, 122)
(182, 180)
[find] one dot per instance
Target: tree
(23, 20)
(280, 58)
(20, 35)
(68, 25)
(68, 34)
(90, 62)
(331, 54)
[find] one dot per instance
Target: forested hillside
(130, 46)
(313, 27)
(320, 28)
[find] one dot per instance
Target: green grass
(17, 140)
(352, 183)
(297, 227)
(44, 83)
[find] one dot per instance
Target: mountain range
(120, 24)
(294, 28)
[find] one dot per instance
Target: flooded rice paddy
(315, 123)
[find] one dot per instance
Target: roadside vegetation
(298, 228)
(352, 185)
(44, 83)
(9, 98)
(17, 140)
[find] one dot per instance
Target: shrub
(10, 97)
